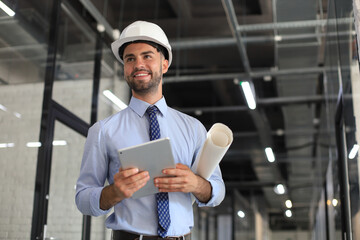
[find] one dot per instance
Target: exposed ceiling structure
(275, 45)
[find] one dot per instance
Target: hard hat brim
(116, 45)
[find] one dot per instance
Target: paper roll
(218, 141)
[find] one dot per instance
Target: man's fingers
(182, 166)
(128, 172)
(127, 187)
(135, 186)
(172, 188)
(136, 178)
(180, 169)
(129, 181)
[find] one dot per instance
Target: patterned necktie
(161, 198)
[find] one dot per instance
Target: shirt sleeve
(93, 173)
(217, 191)
(216, 181)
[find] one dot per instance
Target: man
(144, 50)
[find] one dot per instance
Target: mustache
(140, 69)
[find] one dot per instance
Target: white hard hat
(141, 30)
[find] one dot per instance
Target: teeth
(140, 75)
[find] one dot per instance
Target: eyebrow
(143, 53)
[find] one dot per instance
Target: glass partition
(75, 63)
(342, 74)
(64, 219)
(23, 53)
(112, 86)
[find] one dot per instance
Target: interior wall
(289, 235)
(18, 162)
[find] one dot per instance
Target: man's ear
(165, 65)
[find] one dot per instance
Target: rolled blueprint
(218, 141)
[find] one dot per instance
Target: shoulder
(106, 123)
(185, 119)
(181, 116)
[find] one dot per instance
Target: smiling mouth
(141, 74)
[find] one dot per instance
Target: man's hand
(182, 179)
(126, 183)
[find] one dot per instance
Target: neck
(150, 97)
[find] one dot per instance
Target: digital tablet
(153, 156)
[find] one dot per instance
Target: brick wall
(18, 162)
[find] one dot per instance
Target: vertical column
(86, 228)
(38, 228)
(224, 231)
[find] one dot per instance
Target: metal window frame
(52, 111)
(343, 169)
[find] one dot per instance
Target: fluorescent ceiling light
(288, 213)
(269, 154)
(353, 151)
(114, 99)
(278, 38)
(6, 9)
(2, 107)
(18, 115)
(288, 203)
(59, 143)
(248, 94)
(279, 189)
(100, 27)
(116, 33)
(6, 145)
(33, 144)
(267, 78)
(241, 214)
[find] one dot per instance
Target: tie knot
(152, 110)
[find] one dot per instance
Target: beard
(140, 87)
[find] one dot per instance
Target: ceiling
(276, 45)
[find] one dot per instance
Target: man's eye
(129, 59)
(147, 56)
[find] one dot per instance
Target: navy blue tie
(161, 198)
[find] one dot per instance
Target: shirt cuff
(95, 202)
(216, 195)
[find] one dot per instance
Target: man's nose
(139, 63)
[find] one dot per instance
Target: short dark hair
(158, 47)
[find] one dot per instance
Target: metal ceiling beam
(243, 76)
(240, 157)
(23, 48)
(286, 132)
(258, 116)
(262, 103)
(8, 20)
(233, 24)
(224, 42)
(182, 8)
(78, 20)
(98, 17)
(293, 24)
(262, 184)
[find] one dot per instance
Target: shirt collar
(139, 106)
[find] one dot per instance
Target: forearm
(203, 191)
(108, 197)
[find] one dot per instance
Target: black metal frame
(343, 169)
(46, 133)
(52, 111)
(327, 233)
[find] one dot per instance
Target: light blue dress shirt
(100, 162)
